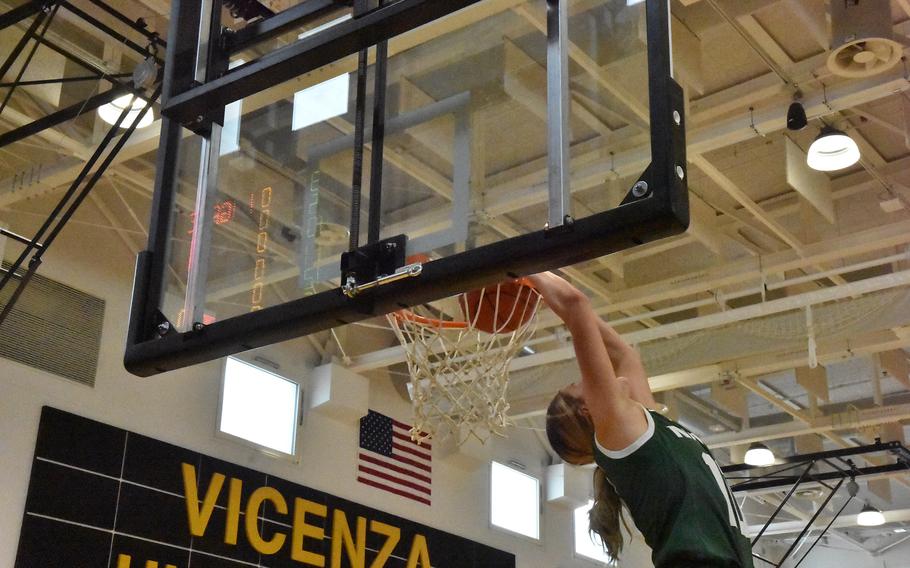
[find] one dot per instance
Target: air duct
(861, 38)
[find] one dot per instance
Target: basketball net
(459, 374)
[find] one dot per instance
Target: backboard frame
(194, 96)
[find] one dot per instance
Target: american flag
(390, 461)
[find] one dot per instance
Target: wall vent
(54, 328)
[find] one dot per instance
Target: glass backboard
(494, 140)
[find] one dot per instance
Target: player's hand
(562, 297)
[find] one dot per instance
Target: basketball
(501, 308)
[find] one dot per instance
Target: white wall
(180, 408)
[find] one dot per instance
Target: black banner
(101, 496)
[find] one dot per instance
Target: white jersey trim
(631, 448)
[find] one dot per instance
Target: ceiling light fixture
(870, 517)
(796, 116)
(832, 150)
(759, 455)
(110, 112)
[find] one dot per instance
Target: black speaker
(796, 117)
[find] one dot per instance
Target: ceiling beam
(728, 274)
(847, 420)
(844, 521)
(828, 352)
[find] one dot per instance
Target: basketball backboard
(321, 148)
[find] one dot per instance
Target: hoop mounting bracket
(352, 289)
(375, 264)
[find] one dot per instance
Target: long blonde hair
(571, 434)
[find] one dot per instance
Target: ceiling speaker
(796, 117)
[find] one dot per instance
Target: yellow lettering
(232, 520)
(199, 519)
(303, 530)
(341, 535)
(392, 534)
(124, 560)
(252, 520)
(419, 552)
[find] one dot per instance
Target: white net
(459, 367)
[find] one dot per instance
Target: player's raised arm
(627, 363)
(617, 418)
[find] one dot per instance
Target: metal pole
(283, 21)
(102, 73)
(61, 80)
(33, 265)
(207, 186)
(379, 88)
(17, 237)
(824, 455)
(152, 264)
(66, 197)
(62, 115)
(812, 520)
(101, 168)
(14, 54)
(35, 262)
(19, 13)
(782, 503)
(134, 25)
(359, 127)
(821, 534)
(200, 244)
(28, 59)
(461, 175)
(297, 58)
(558, 130)
(108, 30)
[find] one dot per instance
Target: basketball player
(661, 472)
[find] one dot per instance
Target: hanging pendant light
(759, 455)
(870, 517)
(832, 150)
(110, 112)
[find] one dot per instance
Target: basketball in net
(459, 362)
(502, 308)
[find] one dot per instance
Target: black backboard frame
(154, 346)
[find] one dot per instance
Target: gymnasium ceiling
(719, 313)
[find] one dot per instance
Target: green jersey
(678, 498)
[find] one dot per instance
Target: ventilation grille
(54, 328)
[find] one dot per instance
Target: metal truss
(43, 13)
(783, 476)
